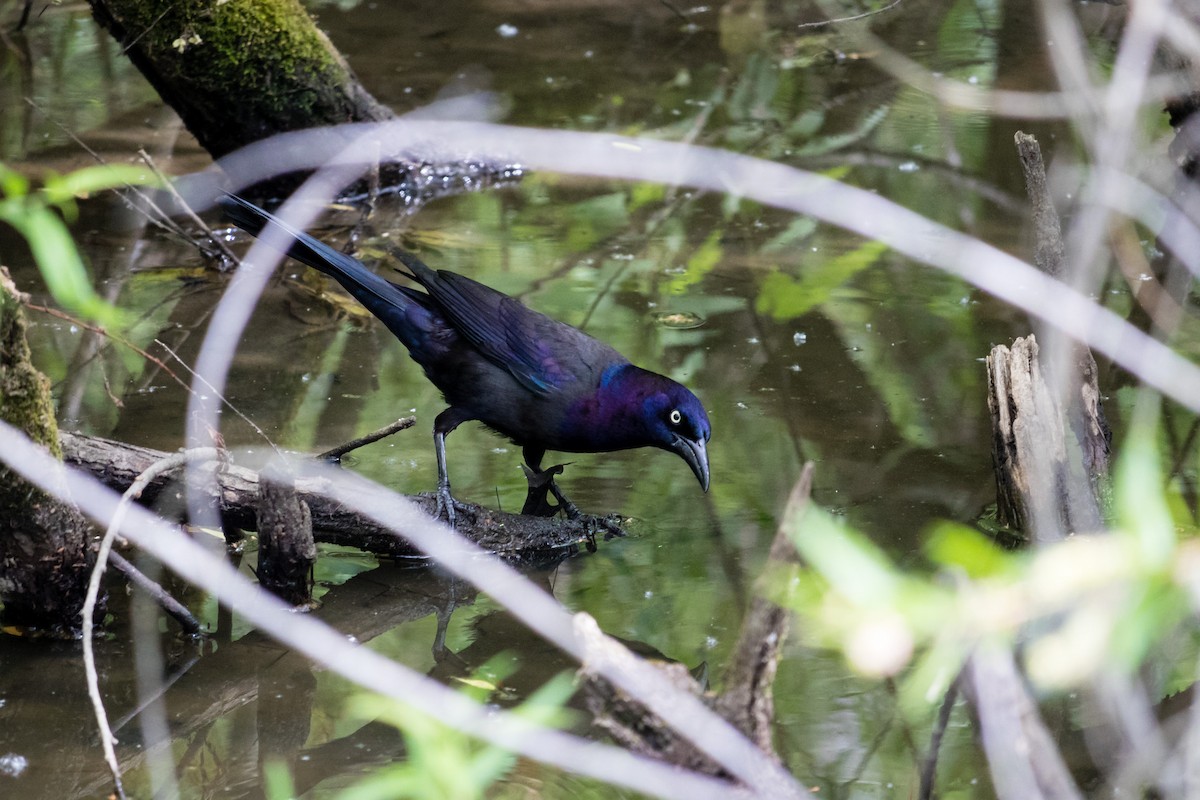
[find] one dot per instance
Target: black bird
(542, 383)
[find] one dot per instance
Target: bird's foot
(609, 525)
(537, 503)
(447, 507)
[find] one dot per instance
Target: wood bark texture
(286, 550)
(44, 555)
(1038, 489)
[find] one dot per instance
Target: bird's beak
(696, 455)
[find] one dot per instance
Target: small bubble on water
(507, 31)
(799, 338)
(13, 765)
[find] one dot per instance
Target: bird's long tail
(303, 248)
(392, 304)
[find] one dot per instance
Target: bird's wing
(545, 355)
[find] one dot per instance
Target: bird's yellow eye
(675, 417)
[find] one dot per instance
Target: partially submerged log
(237, 489)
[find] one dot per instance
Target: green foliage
(33, 214)
(702, 261)
(1076, 607)
(784, 297)
(444, 763)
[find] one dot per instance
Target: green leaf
(13, 184)
(851, 563)
(61, 266)
(784, 298)
(953, 545)
(60, 189)
(703, 260)
(1142, 511)
(643, 194)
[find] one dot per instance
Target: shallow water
(813, 346)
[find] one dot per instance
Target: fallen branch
(117, 465)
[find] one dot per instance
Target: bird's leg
(542, 483)
(570, 509)
(445, 501)
(445, 422)
(537, 501)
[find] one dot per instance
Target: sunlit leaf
(643, 194)
(13, 183)
(931, 675)
(951, 544)
(277, 780)
(850, 562)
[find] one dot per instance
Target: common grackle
(542, 383)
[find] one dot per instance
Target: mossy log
(44, 556)
(237, 72)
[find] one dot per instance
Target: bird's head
(669, 416)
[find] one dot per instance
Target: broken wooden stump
(1040, 490)
(1050, 445)
(286, 550)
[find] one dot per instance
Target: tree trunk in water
(44, 557)
(237, 72)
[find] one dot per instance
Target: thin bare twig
(54, 312)
(228, 255)
(163, 220)
(929, 768)
(169, 604)
(335, 454)
(821, 23)
(107, 740)
(253, 425)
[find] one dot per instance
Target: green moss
(225, 48)
(25, 400)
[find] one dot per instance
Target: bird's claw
(447, 506)
(609, 525)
